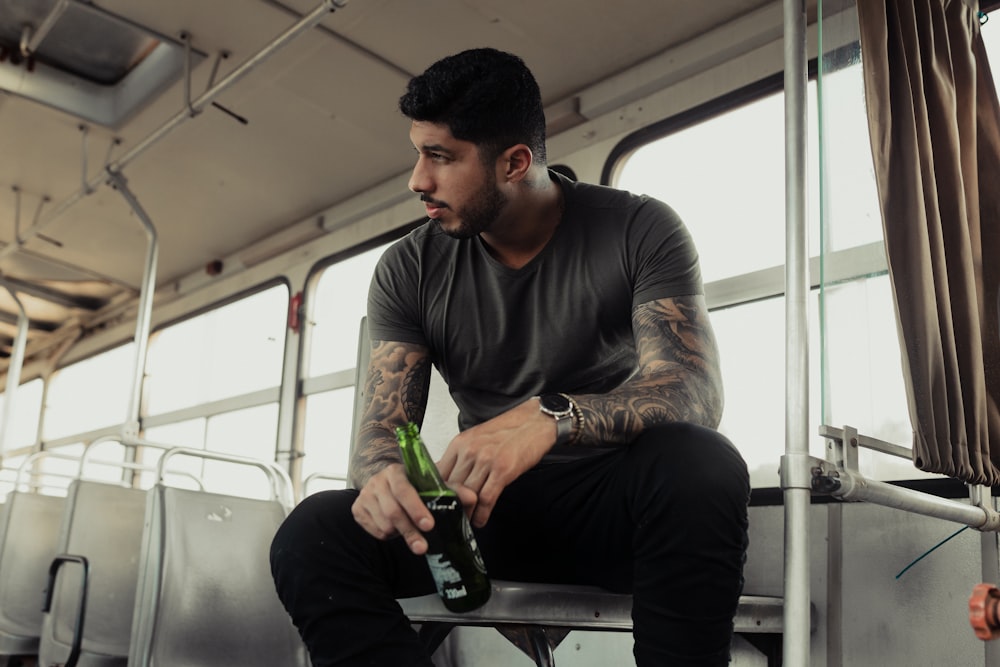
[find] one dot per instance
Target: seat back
(29, 533)
(103, 523)
(206, 596)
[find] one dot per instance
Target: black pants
(664, 518)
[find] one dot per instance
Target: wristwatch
(560, 408)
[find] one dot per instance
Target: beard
(479, 214)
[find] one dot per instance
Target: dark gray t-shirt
(561, 323)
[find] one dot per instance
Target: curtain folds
(934, 122)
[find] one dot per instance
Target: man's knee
(692, 458)
(317, 520)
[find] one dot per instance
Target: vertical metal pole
(990, 554)
(795, 463)
(145, 314)
(13, 371)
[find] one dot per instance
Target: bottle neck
(420, 468)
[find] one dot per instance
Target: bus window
(339, 302)
(213, 383)
(232, 350)
(90, 394)
(327, 435)
(727, 183)
(24, 419)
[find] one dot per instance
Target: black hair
(485, 96)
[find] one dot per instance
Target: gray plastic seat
(205, 592)
(102, 526)
(103, 523)
(29, 533)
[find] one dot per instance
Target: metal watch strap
(564, 429)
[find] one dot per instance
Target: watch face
(554, 403)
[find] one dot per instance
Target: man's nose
(419, 178)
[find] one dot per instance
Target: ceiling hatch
(83, 60)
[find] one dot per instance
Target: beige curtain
(935, 133)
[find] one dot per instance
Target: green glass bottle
(452, 553)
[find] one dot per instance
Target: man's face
(459, 192)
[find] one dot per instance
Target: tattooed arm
(678, 378)
(395, 392)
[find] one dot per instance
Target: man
(568, 322)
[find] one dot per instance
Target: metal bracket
(841, 446)
(20, 240)
(798, 470)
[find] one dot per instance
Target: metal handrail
(841, 479)
(125, 441)
(29, 462)
(13, 368)
(320, 475)
(129, 441)
(281, 483)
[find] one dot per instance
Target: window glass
(340, 301)
(865, 382)
(189, 433)
(327, 434)
(992, 42)
(232, 350)
(728, 183)
(8, 474)
(90, 394)
(252, 433)
(24, 416)
(851, 214)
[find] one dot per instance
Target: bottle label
(451, 547)
(446, 577)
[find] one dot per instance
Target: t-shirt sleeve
(666, 260)
(393, 298)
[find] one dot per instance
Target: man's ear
(515, 162)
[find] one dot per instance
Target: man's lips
(433, 208)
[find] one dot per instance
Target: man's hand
(489, 456)
(388, 505)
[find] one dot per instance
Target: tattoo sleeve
(677, 379)
(395, 392)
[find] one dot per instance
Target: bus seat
(29, 533)
(205, 593)
(537, 617)
(102, 522)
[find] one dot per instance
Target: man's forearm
(375, 448)
(620, 415)
(678, 379)
(396, 392)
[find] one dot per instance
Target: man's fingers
(408, 514)
(390, 506)
(466, 496)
